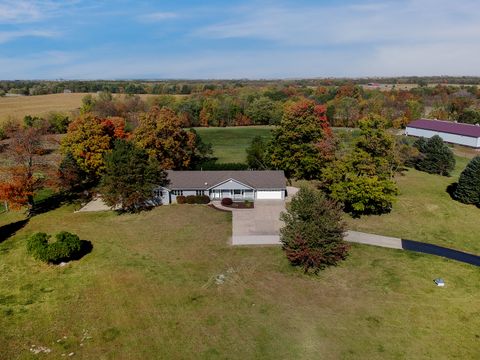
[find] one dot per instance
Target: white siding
(450, 138)
(270, 194)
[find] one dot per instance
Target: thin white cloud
(6, 36)
(157, 16)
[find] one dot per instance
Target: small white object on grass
(439, 282)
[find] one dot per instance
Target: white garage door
(269, 195)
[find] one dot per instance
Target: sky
(186, 39)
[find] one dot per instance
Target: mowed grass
(229, 143)
(148, 290)
(425, 211)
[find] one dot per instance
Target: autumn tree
(161, 134)
(89, 138)
(313, 233)
(130, 176)
(264, 111)
(27, 171)
(303, 142)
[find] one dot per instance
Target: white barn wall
(450, 138)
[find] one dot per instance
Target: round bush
(227, 201)
(181, 199)
(66, 247)
(203, 199)
(191, 199)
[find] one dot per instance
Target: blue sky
(123, 39)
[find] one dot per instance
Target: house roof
(446, 127)
(203, 180)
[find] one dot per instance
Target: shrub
(468, 188)
(191, 199)
(66, 247)
(203, 199)
(313, 233)
(227, 202)
(181, 199)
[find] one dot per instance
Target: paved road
(371, 239)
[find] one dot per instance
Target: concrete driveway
(258, 226)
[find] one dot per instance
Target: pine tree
(436, 157)
(468, 189)
(130, 176)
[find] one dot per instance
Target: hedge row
(193, 199)
(67, 247)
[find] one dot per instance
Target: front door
(238, 194)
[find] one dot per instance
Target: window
(158, 193)
(199, 192)
(177, 192)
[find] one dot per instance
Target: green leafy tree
(313, 233)
(435, 156)
(130, 177)
(263, 111)
(363, 178)
(256, 154)
(468, 188)
(303, 143)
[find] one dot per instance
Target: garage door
(269, 195)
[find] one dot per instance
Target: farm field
(149, 289)
(425, 212)
(18, 107)
(229, 143)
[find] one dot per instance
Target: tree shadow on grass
(451, 190)
(6, 231)
(52, 202)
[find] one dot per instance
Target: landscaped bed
(245, 204)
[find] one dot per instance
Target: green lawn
(229, 143)
(425, 212)
(148, 291)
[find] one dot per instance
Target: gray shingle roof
(202, 180)
(447, 127)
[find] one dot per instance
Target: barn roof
(202, 180)
(446, 127)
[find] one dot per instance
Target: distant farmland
(18, 107)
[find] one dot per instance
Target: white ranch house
(237, 185)
(451, 132)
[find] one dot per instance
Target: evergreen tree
(130, 177)
(468, 189)
(313, 233)
(435, 156)
(256, 154)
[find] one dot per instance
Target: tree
(130, 176)
(363, 178)
(27, 171)
(70, 175)
(468, 188)
(263, 111)
(303, 143)
(256, 154)
(161, 134)
(313, 233)
(435, 156)
(88, 138)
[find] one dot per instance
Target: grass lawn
(425, 212)
(148, 291)
(229, 143)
